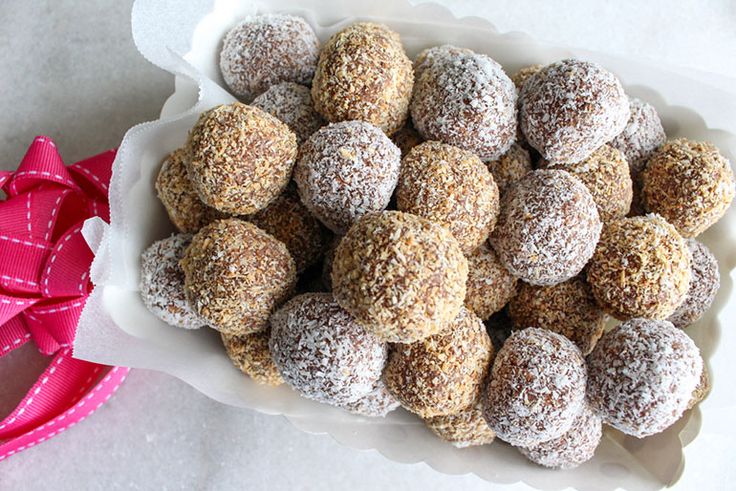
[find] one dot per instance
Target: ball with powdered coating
(689, 183)
(450, 186)
(641, 268)
(236, 275)
(441, 374)
(251, 355)
(490, 286)
(536, 387)
(570, 108)
(241, 158)
(510, 167)
(375, 404)
(322, 352)
(464, 99)
(467, 428)
(548, 227)
(703, 287)
(641, 376)
(401, 276)
(364, 74)
(641, 137)
(264, 50)
(346, 170)
(162, 282)
(291, 104)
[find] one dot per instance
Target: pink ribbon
(44, 283)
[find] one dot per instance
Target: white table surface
(69, 70)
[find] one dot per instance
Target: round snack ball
(289, 221)
(264, 50)
(641, 268)
(322, 352)
(467, 428)
(291, 104)
(510, 167)
(450, 186)
(376, 404)
(241, 158)
(690, 184)
(567, 308)
(401, 276)
(162, 282)
(490, 286)
(346, 170)
(548, 227)
(536, 388)
(641, 137)
(406, 138)
(703, 287)
(363, 73)
(701, 390)
(574, 447)
(641, 376)
(570, 108)
(441, 374)
(236, 275)
(250, 354)
(605, 173)
(519, 78)
(464, 99)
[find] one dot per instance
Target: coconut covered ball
(250, 354)
(548, 227)
(576, 446)
(241, 158)
(490, 286)
(441, 374)
(464, 99)
(510, 167)
(704, 283)
(641, 376)
(322, 352)
(236, 275)
(570, 108)
(162, 282)
(264, 50)
(346, 170)
(690, 184)
(406, 138)
(536, 388)
(605, 173)
(641, 268)
(567, 308)
(375, 404)
(467, 428)
(401, 276)
(291, 104)
(450, 186)
(364, 74)
(641, 137)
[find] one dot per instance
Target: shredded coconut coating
(499, 327)
(641, 137)
(441, 374)
(567, 308)
(251, 355)
(291, 104)
(464, 99)
(265, 50)
(705, 280)
(701, 390)
(641, 268)
(162, 282)
(490, 286)
(406, 138)
(376, 404)
(322, 352)
(570, 108)
(536, 389)
(450, 186)
(236, 275)
(642, 375)
(548, 227)
(346, 170)
(510, 167)
(241, 158)
(289, 221)
(402, 276)
(605, 173)
(520, 77)
(690, 184)
(573, 448)
(364, 74)
(467, 428)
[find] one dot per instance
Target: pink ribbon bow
(44, 283)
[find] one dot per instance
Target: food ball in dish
(510, 167)
(291, 104)
(467, 428)
(704, 283)
(251, 355)
(490, 286)
(376, 404)
(641, 137)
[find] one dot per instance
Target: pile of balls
(440, 236)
